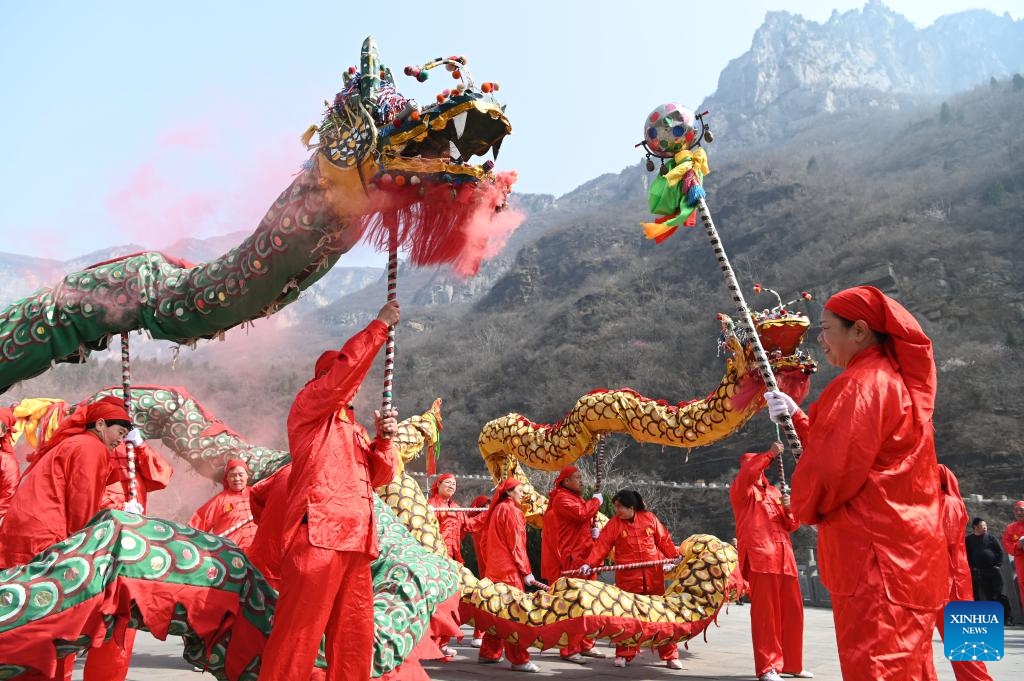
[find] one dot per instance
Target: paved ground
(726, 655)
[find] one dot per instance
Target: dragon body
(382, 169)
(513, 441)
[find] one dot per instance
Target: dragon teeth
(460, 123)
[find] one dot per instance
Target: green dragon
(382, 169)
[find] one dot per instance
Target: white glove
(585, 569)
(134, 506)
(134, 436)
(669, 567)
(780, 405)
(599, 497)
(530, 580)
(595, 532)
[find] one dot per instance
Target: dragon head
(383, 157)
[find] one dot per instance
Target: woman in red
(507, 562)
(442, 494)
(476, 535)
(954, 520)
(637, 535)
(453, 527)
(566, 541)
(1013, 542)
(10, 470)
(763, 525)
(228, 513)
(868, 479)
(110, 661)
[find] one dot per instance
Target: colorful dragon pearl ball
(669, 129)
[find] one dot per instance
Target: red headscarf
(562, 476)
(233, 463)
(437, 483)
(907, 345)
(481, 500)
(109, 408)
(950, 485)
(1019, 504)
(507, 485)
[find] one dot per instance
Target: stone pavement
(727, 654)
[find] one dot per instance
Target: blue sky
(146, 122)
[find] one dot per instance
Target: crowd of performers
(890, 519)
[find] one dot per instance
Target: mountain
(871, 58)
(914, 189)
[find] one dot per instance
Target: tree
(812, 165)
(1018, 82)
(945, 114)
(993, 83)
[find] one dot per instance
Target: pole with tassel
(743, 312)
(131, 503)
(389, 348)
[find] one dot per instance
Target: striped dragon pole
(743, 312)
(126, 387)
(623, 566)
(389, 351)
(598, 472)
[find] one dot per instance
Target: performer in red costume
(566, 541)
(442, 494)
(63, 487)
(507, 562)
(228, 513)
(868, 479)
(476, 535)
(10, 471)
(637, 535)
(329, 534)
(1013, 542)
(954, 521)
(454, 526)
(763, 525)
(110, 661)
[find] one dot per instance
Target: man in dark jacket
(985, 556)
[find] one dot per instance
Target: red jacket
(642, 539)
(335, 465)
(1011, 538)
(152, 473)
(61, 493)
(762, 524)
(268, 499)
(954, 523)
(505, 544)
(566, 540)
(10, 476)
(223, 512)
(868, 479)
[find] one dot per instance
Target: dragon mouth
(445, 139)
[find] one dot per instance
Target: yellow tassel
(652, 230)
(308, 135)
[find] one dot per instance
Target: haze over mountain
(842, 156)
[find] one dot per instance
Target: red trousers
(776, 623)
(110, 661)
(963, 671)
(493, 645)
(577, 644)
(669, 651)
(878, 639)
(322, 591)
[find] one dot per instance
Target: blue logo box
(974, 631)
